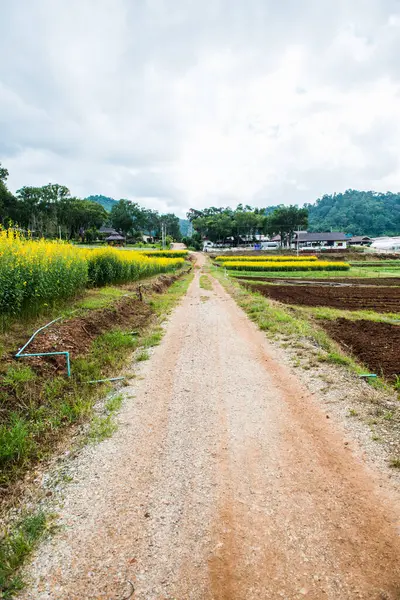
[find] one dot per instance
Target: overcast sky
(188, 103)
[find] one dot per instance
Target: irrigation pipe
(22, 354)
(109, 379)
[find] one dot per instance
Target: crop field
(350, 309)
(36, 273)
(374, 344)
(347, 297)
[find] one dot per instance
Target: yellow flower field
(287, 266)
(264, 258)
(33, 273)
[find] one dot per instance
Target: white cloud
(181, 104)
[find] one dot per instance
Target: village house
(360, 240)
(325, 240)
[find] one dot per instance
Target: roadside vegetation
(16, 545)
(102, 330)
(205, 283)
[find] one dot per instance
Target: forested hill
(106, 202)
(358, 213)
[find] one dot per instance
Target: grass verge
(205, 283)
(16, 545)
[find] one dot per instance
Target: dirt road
(225, 481)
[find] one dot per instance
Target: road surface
(224, 481)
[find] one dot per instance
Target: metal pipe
(103, 380)
(21, 354)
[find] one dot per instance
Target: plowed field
(380, 299)
(374, 344)
(374, 281)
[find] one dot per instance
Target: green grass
(205, 283)
(353, 272)
(104, 425)
(15, 546)
(143, 355)
(153, 338)
(100, 298)
(326, 313)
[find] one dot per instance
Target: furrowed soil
(225, 481)
(377, 345)
(374, 281)
(379, 299)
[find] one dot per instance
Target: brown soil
(76, 335)
(379, 299)
(374, 344)
(385, 281)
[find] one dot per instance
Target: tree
(8, 210)
(171, 223)
(285, 220)
(127, 217)
(76, 214)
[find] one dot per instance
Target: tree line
(358, 213)
(50, 211)
(245, 223)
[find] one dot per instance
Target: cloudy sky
(187, 103)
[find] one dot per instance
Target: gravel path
(225, 481)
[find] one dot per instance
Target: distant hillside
(368, 213)
(105, 201)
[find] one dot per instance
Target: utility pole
(163, 234)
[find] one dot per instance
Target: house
(115, 239)
(107, 231)
(359, 240)
(319, 241)
(316, 241)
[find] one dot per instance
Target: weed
(15, 547)
(101, 428)
(15, 440)
(153, 339)
(18, 378)
(143, 355)
(388, 416)
(353, 412)
(395, 462)
(113, 404)
(205, 283)
(338, 359)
